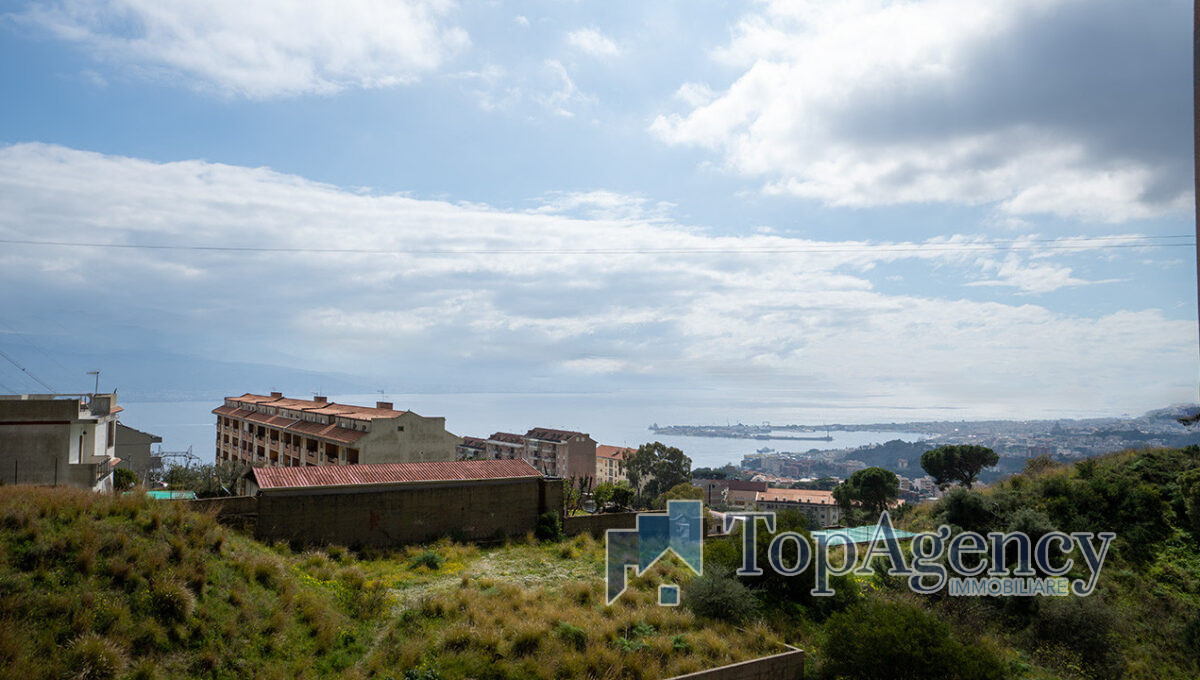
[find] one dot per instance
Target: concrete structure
(788, 665)
(133, 448)
(276, 431)
(561, 453)
(820, 506)
(505, 446)
(554, 453)
(471, 448)
(716, 491)
(59, 439)
(398, 503)
(610, 463)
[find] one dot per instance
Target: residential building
(133, 448)
(561, 453)
(471, 448)
(610, 463)
(716, 491)
(280, 432)
(820, 506)
(554, 453)
(505, 446)
(59, 439)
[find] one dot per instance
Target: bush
(428, 559)
(1083, 625)
(878, 640)
(966, 509)
(573, 636)
(123, 479)
(718, 595)
(172, 600)
(93, 657)
(548, 527)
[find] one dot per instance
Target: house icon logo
(679, 530)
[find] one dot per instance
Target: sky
(981, 206)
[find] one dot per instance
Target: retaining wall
(786, 666)
(596, 525)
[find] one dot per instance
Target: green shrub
(878, 640)
(718, 595)
(123, 479)
(428, 559)
(172, 601)
(573, 636)
(548, 527)
(92, 657)
(1083, 625)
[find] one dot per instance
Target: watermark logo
(680, 530)
(1010, 564)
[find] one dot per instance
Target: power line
(1069, 244)
(26, 371)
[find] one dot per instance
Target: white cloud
(592, 42)
(1059, 107)
(559, 95)
(506, 296)
(263, 49)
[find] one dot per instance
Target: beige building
(820, 506)
(276, 431)
(610, 463)
(59, 439)
(133, 448)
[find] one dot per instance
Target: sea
(610, 418)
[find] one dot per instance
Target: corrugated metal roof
(390, 473)
(333, 432)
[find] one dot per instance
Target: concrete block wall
(409, 513)
(596, 525)
(786, 666)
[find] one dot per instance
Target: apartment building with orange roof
(273, 430)
(610, 463)
(820, 506)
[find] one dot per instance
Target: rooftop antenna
(97, 374)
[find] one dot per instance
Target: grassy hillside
(101, 587)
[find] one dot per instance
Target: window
(399, 428)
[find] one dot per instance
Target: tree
(654, 468)
(879, 639)
(708, 473)
(679, 492)
(622, 495)
(873, 488)
(958, 463)
(206, 480)
(123, 479)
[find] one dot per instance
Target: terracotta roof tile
(507, 438)
(614, 452)
(390, 473)
(548, 434)
(321, 407)
(797, 496)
